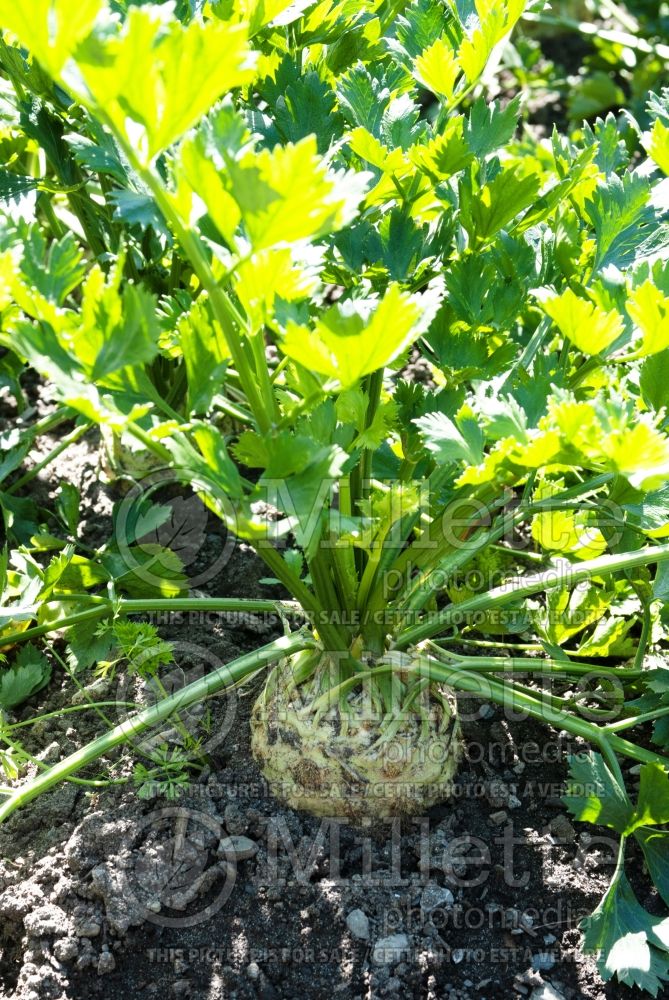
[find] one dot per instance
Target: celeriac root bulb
(349, 758)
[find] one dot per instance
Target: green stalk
(637, 720)
(646, 628)
(51, 421)
(330, 634)
(527, 357)
(423, 587)
(272, 558)
(374, 390)
(323, 584)
(38, 630)
(360, 474)
(523, 664)
(225, 676)
(525, 586)
(44, 203)
(25, 757)
(234, 410)
(343, 568)
(430, 561)
(535, 557)
(138, 606)
(257, 342)
(525, 647)
(370, 573)
(227, 316)
(68, 710)
(221, 305)
(65, 443)
(507, 696)
(392, 545)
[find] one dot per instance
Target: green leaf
(129, 338)
(68, 504)
(299, 483)
(354, 338)
(272, 274)
(212, 445)
(649, 309)
(50, 29)
(205, 354)
(610, 638)
(630, 944)
(146, 570)
(589, 327)
(307, 107)
(139, 519)
(622, 216)
(20, 517)
(14, 186)
(96, 158)
(492, 208)
(437, 69)
(420, 24)
(136, 209)
(661, 584)
(363, 99)
(652, 806)
(15, 447)
(444, 154)
(460, 439)
(475, 50)
(29, 673)
(213, 475)
(490, 126)
(573, 533)
(611, 151)
(88, 644)
(282, 196)
(40, 345)
(570, 611)
(649, 511)
(641, 454)
(55, 272)
(655, 847)
(403, 244)
(594, 796)
(401, 126)
(653, 380)
(78, 574)
(154, 79)
(658, 147)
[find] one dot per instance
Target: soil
(224, 893)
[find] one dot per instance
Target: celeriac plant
(329, 180)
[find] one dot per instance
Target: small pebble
(546, 992)
(358, 924)
(106, 963)
(562, 829)
(434, 897)
(390, 950)
(237, 848)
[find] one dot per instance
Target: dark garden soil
(226, 894)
